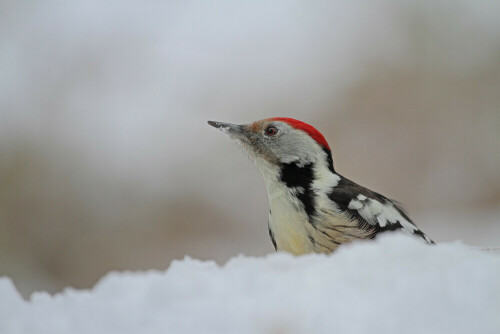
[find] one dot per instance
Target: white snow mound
(393, 285)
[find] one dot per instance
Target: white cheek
(288, 159)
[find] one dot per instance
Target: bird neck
(305, 185)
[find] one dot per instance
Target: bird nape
(312, 207)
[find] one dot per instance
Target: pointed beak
(232, 130)
(247, 136)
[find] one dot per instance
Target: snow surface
(393, 285)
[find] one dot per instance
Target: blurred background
(107, 163)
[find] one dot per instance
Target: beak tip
(214, 124)
(232, 130)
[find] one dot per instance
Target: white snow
(393, 285)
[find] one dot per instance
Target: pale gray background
(107, 163)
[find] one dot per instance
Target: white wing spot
(382, 214)
(355, 205)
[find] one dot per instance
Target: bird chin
(258, 158)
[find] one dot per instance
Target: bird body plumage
(312, 207)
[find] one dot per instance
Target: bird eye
(271, 131)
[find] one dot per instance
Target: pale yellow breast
(294, 233)
(289, 225)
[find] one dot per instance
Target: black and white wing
(372, 211)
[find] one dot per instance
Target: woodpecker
(312, 207)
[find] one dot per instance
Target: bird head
(279, 141)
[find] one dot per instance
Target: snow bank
(394, 285)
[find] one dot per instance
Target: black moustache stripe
(294, 177)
